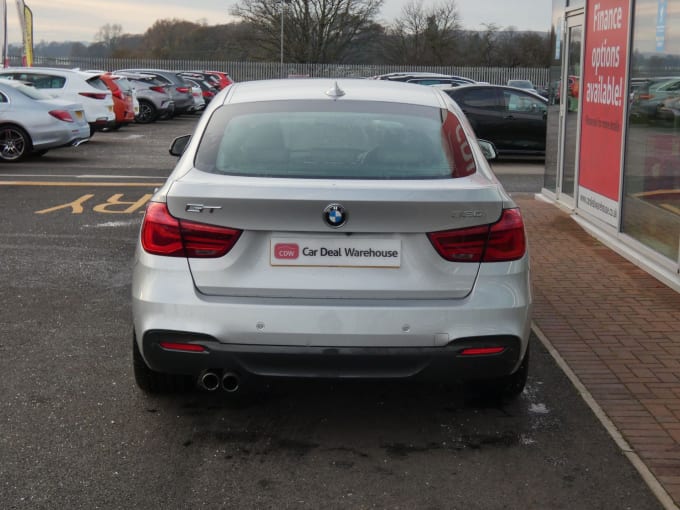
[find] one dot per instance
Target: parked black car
(512, 119)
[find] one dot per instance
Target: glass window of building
(651, 195)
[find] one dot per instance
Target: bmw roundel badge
(335, 215)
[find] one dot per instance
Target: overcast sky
(79, 20)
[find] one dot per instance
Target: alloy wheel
(14, 143)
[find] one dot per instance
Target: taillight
(158, 89)
(119, 94)
(61, 115)
(183, 90)
(93, 95)
(500, 242)
(506, 239)
(461, 245)
(208, 94)
(163, 234)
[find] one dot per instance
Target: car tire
(15, 144)
(155, 383)
(147, 112)
(506, 387)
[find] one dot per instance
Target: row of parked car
(655, 100)
(47, 108)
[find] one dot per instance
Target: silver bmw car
(331, 229)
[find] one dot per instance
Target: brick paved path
(618, 329)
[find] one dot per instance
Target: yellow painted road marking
(81, 184)
(113, 205)
(671, 208)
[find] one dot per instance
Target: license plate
(79, 114)
(345, 252)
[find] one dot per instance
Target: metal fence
(246, 71)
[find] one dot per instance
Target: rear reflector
(163, 234)
(174, 346)
(499, 242)
(481, 351)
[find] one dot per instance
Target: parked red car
(123, 99)
(224, 79)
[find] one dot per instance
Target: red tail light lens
(158, 89)
(461, 245)
(183, 90)
(502, 241)
(208, 94)
(93, 95)
(506, 239)
(163, 234)
(61, 115)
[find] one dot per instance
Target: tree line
(321, 31)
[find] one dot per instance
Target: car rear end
(223, 79)
(350, 231)
(96, 98)
(180, 92)
(153, 98)
(64, 126)
(51, 123)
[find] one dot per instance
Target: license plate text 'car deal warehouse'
(335, 252)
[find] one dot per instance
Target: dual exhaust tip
(211, 380)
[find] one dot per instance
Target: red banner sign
(602, 112)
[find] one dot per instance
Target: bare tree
(489, 44)
(109, 35)
(319, 31)
(425, 36)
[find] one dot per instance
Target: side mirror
(179, 145)
(488, 150)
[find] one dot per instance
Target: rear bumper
(331, 337)
(446, 363)
(102, 123)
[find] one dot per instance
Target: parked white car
(75, 86)
(197, 94)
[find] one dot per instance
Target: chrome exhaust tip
(209, 380)
(78, 143)
(231, 382)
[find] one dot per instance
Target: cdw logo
(286, 251)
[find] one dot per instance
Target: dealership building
(613, 144)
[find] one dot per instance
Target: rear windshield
(97, 83)
(335, 140)
(32, 92)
